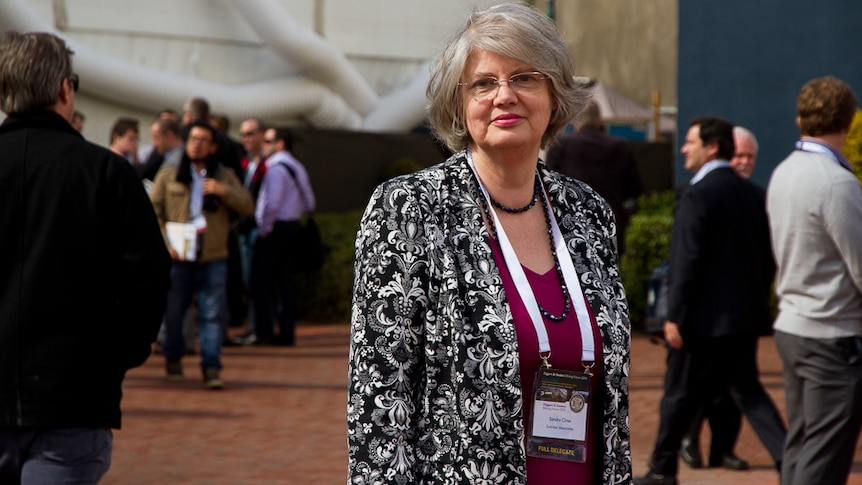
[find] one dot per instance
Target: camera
(211, 201)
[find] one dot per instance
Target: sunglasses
(74, 80)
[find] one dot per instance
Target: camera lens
(211, 202)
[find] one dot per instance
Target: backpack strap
(296, 180)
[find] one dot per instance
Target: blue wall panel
(746, 61)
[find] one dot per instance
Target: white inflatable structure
(328, 91)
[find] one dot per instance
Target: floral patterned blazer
(434, 384)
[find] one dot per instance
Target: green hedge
(325, 296)
(647, 245)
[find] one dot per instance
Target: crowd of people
(490, 335)
(242, 227)
(231, 216)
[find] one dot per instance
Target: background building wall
(629, 44)
(746, 61)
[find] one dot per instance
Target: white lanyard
(525, 291)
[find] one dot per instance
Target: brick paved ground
(281, 419)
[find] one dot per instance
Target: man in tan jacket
(195, 198)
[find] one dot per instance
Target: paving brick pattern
(281, 418)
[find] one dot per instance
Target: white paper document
(183, 238)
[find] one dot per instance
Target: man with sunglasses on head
(251, 131)
(286, 195)
(84, 274)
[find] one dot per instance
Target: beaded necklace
(490, 218)
(518, 210)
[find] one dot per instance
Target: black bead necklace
(490, 218)
(518, 210)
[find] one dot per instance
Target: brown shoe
(212, 380)
(174, 371)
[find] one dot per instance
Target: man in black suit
(604, 162)
(721, 271)
(725, 419)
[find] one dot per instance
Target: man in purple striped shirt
(286, 195)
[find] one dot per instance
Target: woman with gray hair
(490, 336)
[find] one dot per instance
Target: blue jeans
(35, 456)
(246, 249)
(210, 281)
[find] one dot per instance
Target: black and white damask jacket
(435, 390)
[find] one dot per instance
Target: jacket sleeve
(237, 197)
(841, 215)
(143, 271)
(157, 197)
(686, 255)
(387, 338)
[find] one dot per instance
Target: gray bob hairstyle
(515, 31)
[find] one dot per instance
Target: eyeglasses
(269, 141)
(74, 80)
(201, 140)
(246, 134)
(524, 82)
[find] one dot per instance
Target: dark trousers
(823, 383)
(236, 291)
(725, 421)
(694, 374)
(272, 283)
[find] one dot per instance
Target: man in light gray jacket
(815, 212)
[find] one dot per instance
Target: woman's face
(504, 118)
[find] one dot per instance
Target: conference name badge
(558, 425)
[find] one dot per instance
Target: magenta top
(565, 339)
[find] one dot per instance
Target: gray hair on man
(29, 57)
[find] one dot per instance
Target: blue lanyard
(812, 146)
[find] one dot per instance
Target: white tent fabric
(617, 107)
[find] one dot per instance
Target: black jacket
(721, 264)
(606, 163)
(84, 275)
